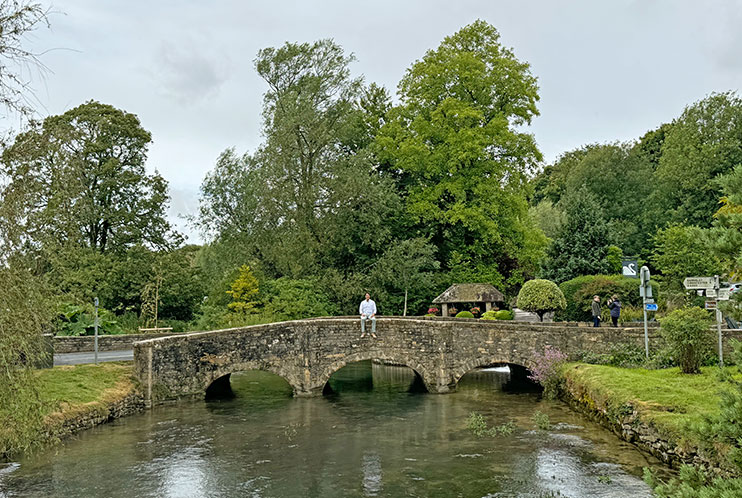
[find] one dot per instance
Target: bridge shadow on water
(369, 376)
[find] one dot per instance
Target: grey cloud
(188, 72)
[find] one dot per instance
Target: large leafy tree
(704, 142)
(456, 144)
(309, 196)
(583, 243)
(684, 251)
(85, 181)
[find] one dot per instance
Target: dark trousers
(596, 321)
(614, 319)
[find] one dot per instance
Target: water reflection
(372, 437)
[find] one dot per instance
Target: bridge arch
(483, 361)
(222, 374)
(414, 364)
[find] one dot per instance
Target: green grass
(73, 387)
(670, 401)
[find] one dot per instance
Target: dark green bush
(504, 315)
(464, 314)
(579, 293)
(686, 333)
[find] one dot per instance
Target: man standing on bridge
(367, 309)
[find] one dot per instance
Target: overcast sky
(607, 70)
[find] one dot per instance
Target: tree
(17, 20)
(583, 243)
(458, 151)
(704, 142)
(84, 181)
(684, 251)
(406, 266)
(541, 296)
(309, 198)
(243, 290)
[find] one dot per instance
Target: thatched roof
(470, 293)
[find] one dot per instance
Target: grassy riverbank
(71, 398)
(670, 401)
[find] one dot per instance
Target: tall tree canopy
(309, 197)
(583, 243)
(704, 142)
(83, 181)
(456, 143)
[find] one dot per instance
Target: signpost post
(96, 330)
(718, 321)
(645, 291)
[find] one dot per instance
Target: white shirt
(367, 307)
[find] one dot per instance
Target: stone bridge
(307, 352)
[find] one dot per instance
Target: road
(89, 357)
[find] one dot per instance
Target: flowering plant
(452, 311)
(475, 310)
(546, 369)
(432, 310)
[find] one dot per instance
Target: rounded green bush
(489, 315)
(464, 314)
(504, 315)
(541, 296)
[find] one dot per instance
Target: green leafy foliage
(684, 251)
(243, 290)
(692, 482)
(290, 299)
(461, 158)
(704, 142)
(78, 320)
(541, 420)
(582, 246)
(541, 296)
(504, 315)
(488, 315)
(579, 293)
(686, 332)
(477, 424)
(464, 314)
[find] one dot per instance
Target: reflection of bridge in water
(307, 352)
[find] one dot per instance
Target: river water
(375, 435)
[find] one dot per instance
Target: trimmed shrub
(504, 315)
(541, 296)
(464, 314)
(686, 333)
(489, 315)
(579, 293)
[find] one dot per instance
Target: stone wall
(129, 405)
(307, 352)
(65, 344)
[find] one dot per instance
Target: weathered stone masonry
(307, 352)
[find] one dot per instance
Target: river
(375, 435)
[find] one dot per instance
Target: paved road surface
(89, 357)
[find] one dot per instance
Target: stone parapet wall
(65, 344)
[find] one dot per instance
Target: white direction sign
(699, 283)
(711, 293)
(724, 294)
